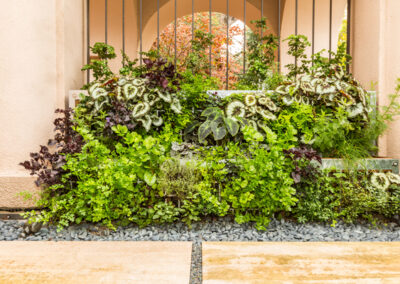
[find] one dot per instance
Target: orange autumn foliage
(218, 47)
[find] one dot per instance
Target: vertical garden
(149, 144)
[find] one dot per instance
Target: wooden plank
(363, 262)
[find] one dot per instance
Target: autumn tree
(190, 53)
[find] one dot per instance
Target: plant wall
(149, 145)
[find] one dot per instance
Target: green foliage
(260, 59)
(255, 183)
(194, 97)
(108, 184)
(297, 47)
(179, 180)
(216, 124)
(253, 154)
(330, 195)
(100, 68)
(197, 62)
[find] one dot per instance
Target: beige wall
(376, 56)
(41, 45)
(321, 35)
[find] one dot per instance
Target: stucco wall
(376, 57)
(41, 55)
(321, 36)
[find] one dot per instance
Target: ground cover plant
(149, 145)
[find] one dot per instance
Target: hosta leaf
(219, 131)
(130, 91)
(165, 97)
(231, 125)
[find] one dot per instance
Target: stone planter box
(383, 164)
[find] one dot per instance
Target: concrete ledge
(95, 262)
(11, 188)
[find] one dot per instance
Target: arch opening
(227, 49)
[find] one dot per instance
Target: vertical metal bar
(227, 44)
(210, 19)
(192, 29)
(192, 20)
(313, 32)
(262, 16)
(158, 26)
(348, 31)
(175, 59)
(244, 38)
(330, 28)
(279, 35)
(105, 21)
(88, 39)
(296, 27)
(140, 31)
(123, 26)
(296, 17)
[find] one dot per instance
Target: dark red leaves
(47, 163)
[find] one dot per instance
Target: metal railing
(279, 11)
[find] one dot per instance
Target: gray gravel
(222, 229)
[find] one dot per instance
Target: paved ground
(95, 262)
(234, 262)
(223, 262)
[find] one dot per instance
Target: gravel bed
(222, 229)
(196, 266)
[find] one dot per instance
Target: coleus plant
(335, 89)
(302, 157)
(48, 163)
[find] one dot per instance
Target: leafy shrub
(253, 182)
(260, 58)
(303, 170)
(110, 185)
(349, 195)
(178, 180)
(48, 163)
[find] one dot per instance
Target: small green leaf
(149, 142)
(150, 179)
